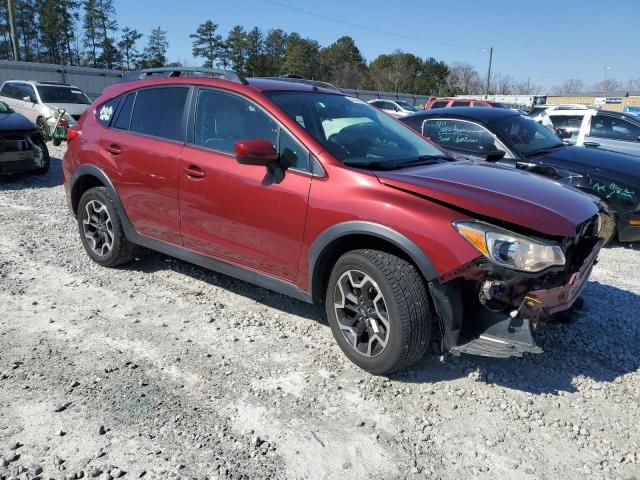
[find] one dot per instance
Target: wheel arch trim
(93, 171)
(356, 227)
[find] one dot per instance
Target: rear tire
(379, 310)
(101, 229)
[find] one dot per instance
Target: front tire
(379, 310)
(101, 229)
(42, 128)
(608, 230)
(46, 161)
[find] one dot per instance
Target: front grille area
(13, 143)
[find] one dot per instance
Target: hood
(71, 108)
(615, 166)
(14, 121)
(499, 192)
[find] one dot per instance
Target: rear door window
(159, 112)
(124, 115)
(439, 104)
(460, 104)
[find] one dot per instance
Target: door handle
(194, 171)
(591, 144)
(113, 149)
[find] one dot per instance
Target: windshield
(526, 135)
(407, 106)
(4, 108)
(62, 95)
(352, 130)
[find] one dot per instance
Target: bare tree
(571, 85)
(633, 85)
(464, 79)
(608, 85)
(502, 84)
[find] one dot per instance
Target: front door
(236, 212)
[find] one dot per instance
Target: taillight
(73, 131)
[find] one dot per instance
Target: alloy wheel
(98, 228)
(362, 313)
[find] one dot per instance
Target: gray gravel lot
(165, 370)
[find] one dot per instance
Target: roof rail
(184, 72)
(42, 82)
(313, 83)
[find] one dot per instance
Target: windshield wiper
(545, 150)
(373, 164)
(423, 160)
(391, 165)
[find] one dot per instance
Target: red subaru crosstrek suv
(296, 187)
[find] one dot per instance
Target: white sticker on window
(105, 113)
(355, 100)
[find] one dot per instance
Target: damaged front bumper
(507, 332)
(19, 154)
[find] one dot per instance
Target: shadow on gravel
(53, 178)
(154, 262)
(602, 345)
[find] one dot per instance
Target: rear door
(142, 144)
(613, 133)
(236, 212)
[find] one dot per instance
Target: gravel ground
(165, 370)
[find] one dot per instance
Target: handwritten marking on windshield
(613, 190)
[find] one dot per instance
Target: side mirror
(255, 152)
(563, 133)
(28, 99)
(491, 153)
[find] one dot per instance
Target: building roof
(624, 93)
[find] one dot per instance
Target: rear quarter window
(104, 112)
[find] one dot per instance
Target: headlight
(509, 249)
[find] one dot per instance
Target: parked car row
(509, 138)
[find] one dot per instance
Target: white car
(41, 102)
(395, 108)
(616, 131)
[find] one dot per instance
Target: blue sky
(547, 40)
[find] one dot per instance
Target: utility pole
(489, 71)
(14, 36)
(606, 72)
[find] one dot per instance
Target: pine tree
(236, 49)
(155, 53)
(127, 46)
(207, 43)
